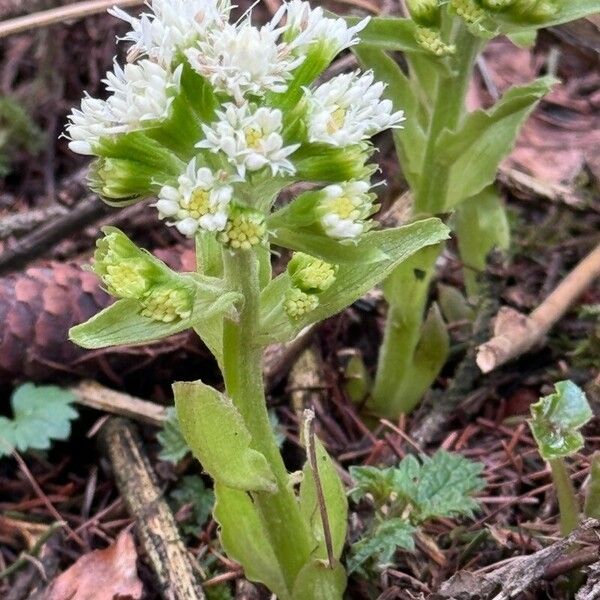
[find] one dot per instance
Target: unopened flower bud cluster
(128, 272)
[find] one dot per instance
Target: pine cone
(39, 305)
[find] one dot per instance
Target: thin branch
(309, 417)
(61, 14)
(515, 333)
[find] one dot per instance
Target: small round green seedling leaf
(557, 419)
(215, 431)
(41, 414)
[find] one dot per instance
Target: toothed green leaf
(556, 420)
(41, 414)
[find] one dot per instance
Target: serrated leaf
(475, 150)
(335, 501)
(245, 540)
(352, 281)
(173, 445)
(40, 415)
(381, 545)
(192, 492)
(481, 225)
(377, 482)
(557, 419)
(219, 439)
(441, 486)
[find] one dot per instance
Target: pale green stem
(448, 109)
(567, 500)
(392, 394)
(280, 512)
(406, 314)
(592, 499)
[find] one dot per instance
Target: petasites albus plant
(214, 119)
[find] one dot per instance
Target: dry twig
(515, 333)
(155, 522)
(60, 15)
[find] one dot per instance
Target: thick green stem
(406, 291)
(448, 109)
(567, 500)
(592, 498)
(395, 390)
(283, 522)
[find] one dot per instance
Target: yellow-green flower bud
(533, 11)
(468, 10)
(298, 303)
(496, 5)
(124, 270)
(167, 304)
(424, 12)
(431, 40)
(245, 228)
(311, 274)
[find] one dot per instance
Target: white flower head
(250, 138)
(200, 201)
(140, 92)
(242, 59)
(348, 109)
(87, 124)
(171, 26)
(345, 208)
(306, 25)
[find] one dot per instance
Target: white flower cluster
(249, 70)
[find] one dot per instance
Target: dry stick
(21, 223)
(94, 395)
(38, 241)
(309, 423)
(156, 525)
(60, 14)
(515, 334)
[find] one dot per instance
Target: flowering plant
(449, 157)
(214, 119)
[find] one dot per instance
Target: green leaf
(352, 281)
(318, 581)
(193, 494)
(40, 415)
(410, 138)
(379, 483)
(322, 163)
(556, 420)
(122, 324)
(441, 486)
(381, 544)
(481, 225)
(245, 540)
(317, 243)
(524, 39)
(389, 33)
(335, 501)
(219, 439)
(568, 10)
(454, 305)
(475, 150)
(429, 357)
(172, 443)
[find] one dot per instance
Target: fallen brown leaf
(108, 574)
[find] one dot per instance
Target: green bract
(556, 420)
